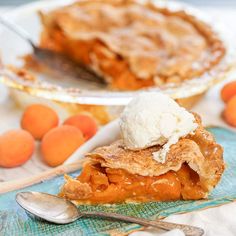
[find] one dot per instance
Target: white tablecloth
(216, 221)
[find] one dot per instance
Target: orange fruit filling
(79, 51)
(117, 185)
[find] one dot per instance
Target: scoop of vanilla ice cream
(154, 118)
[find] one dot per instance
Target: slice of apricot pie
(192, 167)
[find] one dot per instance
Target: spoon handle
(187, 229)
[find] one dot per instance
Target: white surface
(217, 221)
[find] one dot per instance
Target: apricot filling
(98, 184)
(78, 50)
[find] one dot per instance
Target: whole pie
(132, 45)
(114, 174)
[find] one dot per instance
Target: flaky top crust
(199, 151)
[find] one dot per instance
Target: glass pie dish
(78, 95)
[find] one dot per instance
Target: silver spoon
(61, 211)
(58, 62)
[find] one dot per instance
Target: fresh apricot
(228, 91)
(59, 143)
(16, 147)
(38, 119)
(85, 123)
(230, 112)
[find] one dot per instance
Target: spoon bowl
(48, 207)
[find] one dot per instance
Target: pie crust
(113, 174)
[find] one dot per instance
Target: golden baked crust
(133, 45)
(193, 167)
(199, 151)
